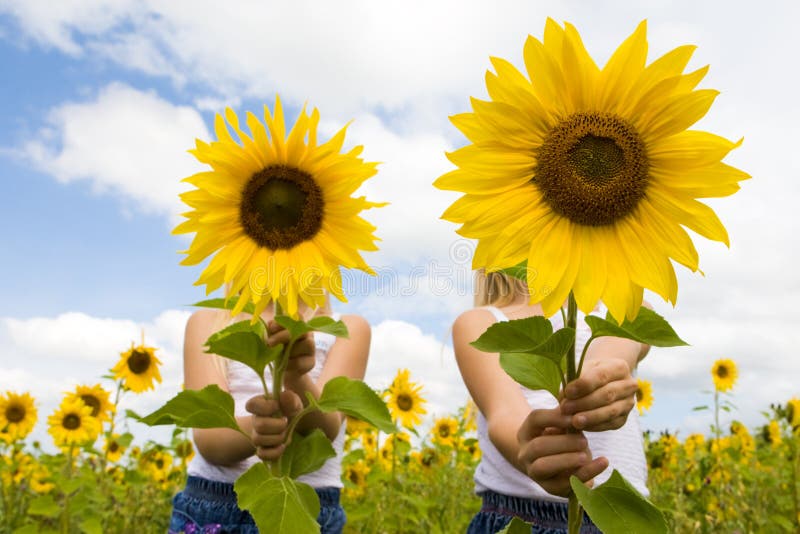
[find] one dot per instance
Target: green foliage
(324, 324)
(225, 304)
(616, 506)
(305, 454)
(209, 407)
(517, 526)
(648, 327)
(244, 342)
(277, 504)
(356, 399)
(532, 371)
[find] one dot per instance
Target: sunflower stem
(575, 513)
(65, 519)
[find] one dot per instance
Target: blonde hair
(497, 288)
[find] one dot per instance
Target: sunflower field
(416, 480)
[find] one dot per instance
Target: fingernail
(580, 421)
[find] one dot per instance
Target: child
(208, 503)
(528, 450)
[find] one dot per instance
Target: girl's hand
(270, 422)
(302, 358)
(550, 454)
(602, 397)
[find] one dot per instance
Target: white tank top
(623, 447)
(242, 385)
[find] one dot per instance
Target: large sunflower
(724, 374)
(404, 400)
(589, 174)
(138, 368)
(277, 211)
(17, 416)
(96, 398)
(73, 424)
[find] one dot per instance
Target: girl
(528, 438)
(208, 503)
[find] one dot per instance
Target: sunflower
(404, 400)
(693, 442)
(113, 448)
(73, 424)
(724, 374)
(589, 174)
(644, 395)
(444, 430)
(278, 212)
(138, 367)
(96, 398)
(17, 416)
(772, 433)
(469, 416)
(40, 481)
(793, 412)
(157, 464)
(357, 473)
(427, 457)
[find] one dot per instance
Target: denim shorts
(209, 507)
(547, 517)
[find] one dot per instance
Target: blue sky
(100, 101)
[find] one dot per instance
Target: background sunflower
(590, 174)
(73, 424)
(17, 415)
(724, 373)
(96, 398)
(276, 213)
(404, 400)
(644, 395)
(444, 431)
(138, 368)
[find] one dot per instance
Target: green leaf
(92, 525)
(517, 526)
(45, 506)
(297, 328)
(125, 439)
(519, 271)
(355, 398)
(517, 335)
(277, 504)
(305, 454)
(225, 304)
(648, 327)
(28, 529)
(616, 506)
(244, 342)
(208, 408)
(532, 371)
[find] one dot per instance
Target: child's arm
(221, 446)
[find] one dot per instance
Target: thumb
(291, 404)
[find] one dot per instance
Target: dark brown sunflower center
(592, 168)
(92, 402)
(281, 207)
(639, 394)
(15, 413)
(160, 463)
(113, 446)
(722, 371)
(354, 477)
(139, 362)
(405, 402)
(71, 421)
(444, 431)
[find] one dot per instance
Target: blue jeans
(209, 507)
(547, 517)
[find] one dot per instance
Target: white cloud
(126, 141)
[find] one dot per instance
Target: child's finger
(604, 418)
(597, 375)
(602, 396)
(291, 404)
(269, 425)
(538, 420)
(270, 453)
(587, 472)
(552, 445)
(261, 406)
(551, 466)
(269, 440)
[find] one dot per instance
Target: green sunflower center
(405, 402)
(281, 207)
(71, 421)
(15, 413)
(139, 362)
(722, 371)
(592, 168)
(92, 402)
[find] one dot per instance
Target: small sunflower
(138, 368)
(644, 395)
(404, 400)
(590, 174)
(793, 412)
(427, 458)
(772, 433)
(444, 431)
(73, 424)
(185, 451)
(693, 442)
(276, 211)
(356, 473)
(17, 416)
(96, 398)
(156, 463)
(370, 444)
(113, 448)
(469, 416)
(724, 374)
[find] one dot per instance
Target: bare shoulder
(471, 324)
(356, 325)
(201, 325)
